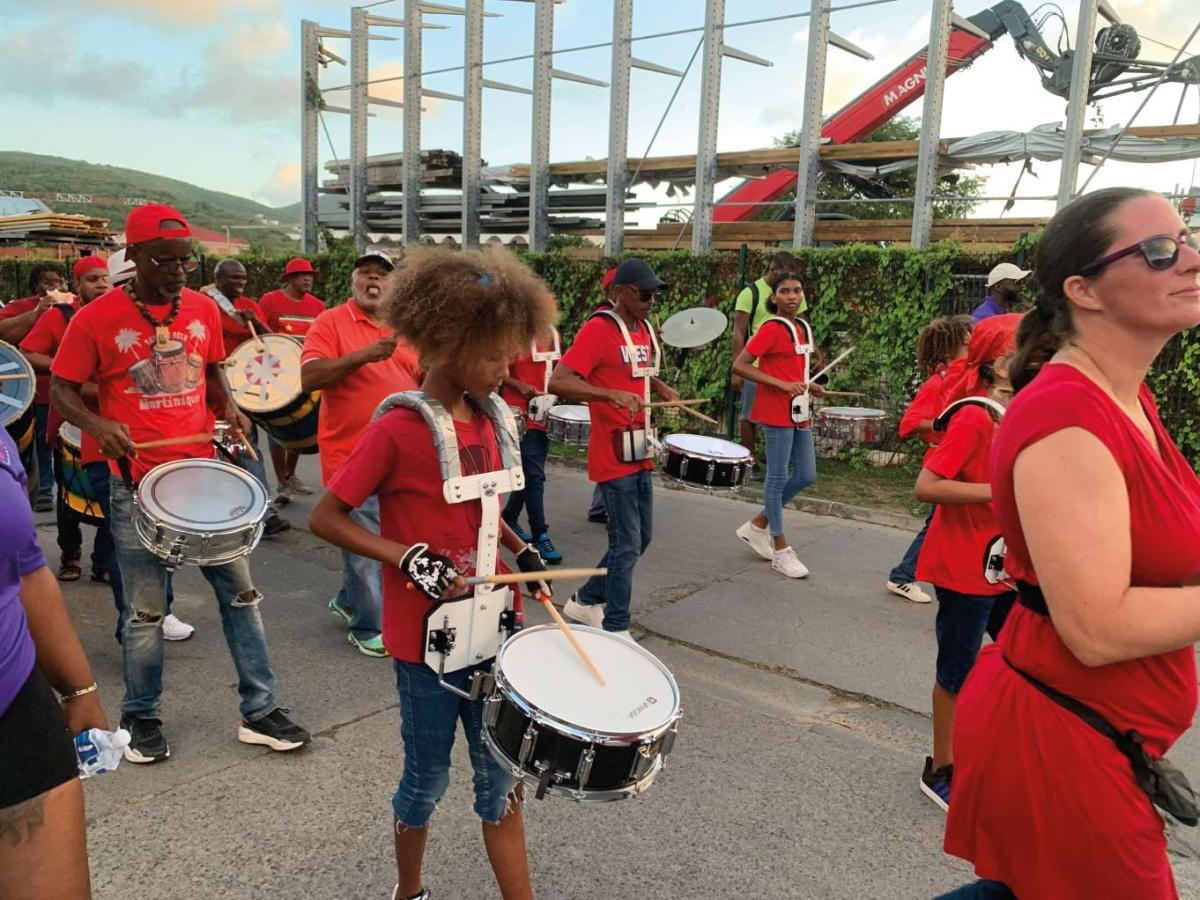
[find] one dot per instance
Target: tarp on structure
(1045, 142)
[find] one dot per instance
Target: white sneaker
(283, 496)
(588, 615)
(911, 591)
(296, 486)
(757, 538)
(625, 635)
(785, 563)
(175, 629)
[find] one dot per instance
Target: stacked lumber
(385, 172)
(51, 227)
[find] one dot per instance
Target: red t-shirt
(19, 307)
(534, 374)
(600, 357)
(287, 316)
(45, 338)
(1043, 802)
(157, 392)
(234, 332)
(776, 354)
(396, 461)
(958, 536)
(926, 404)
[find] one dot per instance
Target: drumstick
(17, 376)
(519, 577)
(202, 438)
(658, 403)
(831, 365)
(698, 415)
(258, 342)
(566, 630)
(844, 394)
(245, 441)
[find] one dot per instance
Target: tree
(899, 184)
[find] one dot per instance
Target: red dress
(1042, 802)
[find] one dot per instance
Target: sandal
(69, 570)
(100, 576)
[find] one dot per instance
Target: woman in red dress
(1101, 514)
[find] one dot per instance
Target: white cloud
(284, 186)
(176, 12)
(248, 41)
(392, 90)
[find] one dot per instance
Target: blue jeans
(791, 467)
(361, 594)
(534, 448)
(429, 716)
(984, 889)
(597, 508)
(257, 467)
(961, 622)
(629, 501)
(906, 570)
(749, 389)
(145, 583)
(45, 487)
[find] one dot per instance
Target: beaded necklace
(162, 331)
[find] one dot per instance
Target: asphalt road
(795, 773)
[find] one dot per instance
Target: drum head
(71, 435)
(571, 413)
(267, 378)
(640, 695)
(706, 447)
(852, 412)
(16, 394)
(202, 495)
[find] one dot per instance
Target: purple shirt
(20, 555)
(988, 308)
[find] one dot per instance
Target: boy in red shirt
(290, 311)
(956, 477)
(782, 347)
(467, 315)
(940, 343)
(612, 366)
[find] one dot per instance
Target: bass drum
(75, 490)
(264, 377)
(17, 385)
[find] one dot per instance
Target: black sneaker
(146, 741)
(274, 730)
(598, 518)
(936, 784)
(275, 525)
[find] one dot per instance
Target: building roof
(208, 236)
(19, 206)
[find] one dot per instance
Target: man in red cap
(155, 351)
(291, 311)
(46, 283)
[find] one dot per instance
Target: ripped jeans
(429, 716)
(145, 583)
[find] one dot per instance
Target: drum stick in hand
(657, 403)
(258, 342)
(245, 442)
(844, 394)
(17, 376)
(697, 414)
(831, 365)
(202, 438)
(583, 655)
(521, 577)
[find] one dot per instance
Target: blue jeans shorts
(749, 388)
(962, 620)
(429, 717)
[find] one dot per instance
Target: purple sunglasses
(1160, 252)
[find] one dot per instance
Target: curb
(811, 505)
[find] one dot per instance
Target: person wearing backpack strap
(749, 312)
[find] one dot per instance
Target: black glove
(529, 560)
(430, 573)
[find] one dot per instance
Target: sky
(209, 90)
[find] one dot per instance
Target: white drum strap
(549, 357)
(643, 372)
(222, 301)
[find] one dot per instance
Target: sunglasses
(648, 294)
(170, 263)
(1160, 252)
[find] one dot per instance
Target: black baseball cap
(636, 272)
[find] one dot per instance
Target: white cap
(1006, 271)
(120, 268)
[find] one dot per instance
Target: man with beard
(354, 358)
(1004, 291)
(154, 349)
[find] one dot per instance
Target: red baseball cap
(608, 278)
(298, 266)
(85, 265)
(150, 222)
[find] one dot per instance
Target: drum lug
(584, 769)
(712, 469)
(668, 740)
(545, 774)
(491, 711)
(527, 742)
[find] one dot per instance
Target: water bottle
(99, 751)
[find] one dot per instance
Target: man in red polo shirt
(291, 311)
(154, 349)
(610, 366)
(355, 359)
(16, 320)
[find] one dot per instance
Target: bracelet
(90, 689)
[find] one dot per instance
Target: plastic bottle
(99, 751)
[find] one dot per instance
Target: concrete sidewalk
(795, 774)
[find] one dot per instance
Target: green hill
(212, 209)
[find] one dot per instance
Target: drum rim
(162, 469)
(589, 735)
(701, 455)
(69, 440)
(18, 413)
(853, 412)
(231, 362)
(587, 416)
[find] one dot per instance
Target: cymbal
(693, 327)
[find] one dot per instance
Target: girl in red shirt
(1101, 515)
(782, 345)
(941, 342)
(955, 476)
(467, 315)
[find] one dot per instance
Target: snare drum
(199, 512)
(75, 490)
(16, 401)
(552, 725)
(851, 424)
(711, 463)
(518, 417)
(228, 442)
(569, 424)
(265, 382)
